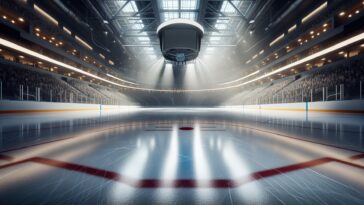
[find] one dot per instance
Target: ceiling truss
(137, 20)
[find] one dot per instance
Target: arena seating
(57, 88)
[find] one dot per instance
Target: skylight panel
(136, 21)
(170, 4)
(227, 7)
(188, 4)
(215, 38)
(170, 15)
(221, 26)
(137, 26)
(222, 21)
(188, 15)
(148, 49)
(130, 7)
(143, 38)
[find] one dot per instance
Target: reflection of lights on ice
(201, 165)
(219, 143)
(211, 141)
(152, 143)
(169, 171)
(200, 161)
(237, 168)
(171, 161)
(133, 167)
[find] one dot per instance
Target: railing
(28, 93)
(330, 93)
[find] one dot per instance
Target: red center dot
(186, 128)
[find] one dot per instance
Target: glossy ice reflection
(142, 156)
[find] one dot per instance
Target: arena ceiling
(135, 21)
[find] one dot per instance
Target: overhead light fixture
(321, 53)
(292, 28)
(21, 19)
(83, 43)
(67, 30)
(277, 39)
(342, 13)
(314, 12)
(45, 14)
(125, 81)
(247, 76)
(19, 48)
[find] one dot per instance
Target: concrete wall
(349, 106)
(11, 106)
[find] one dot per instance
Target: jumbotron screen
(180, 38)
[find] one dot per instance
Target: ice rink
(182, 156)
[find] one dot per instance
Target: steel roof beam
(119, 10)
(237, 10)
